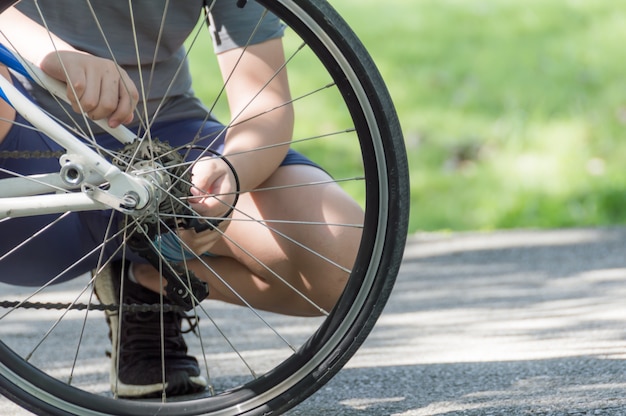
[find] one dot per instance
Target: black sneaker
(139, 371)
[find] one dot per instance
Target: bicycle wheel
(260, 362)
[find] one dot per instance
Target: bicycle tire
(371, 281)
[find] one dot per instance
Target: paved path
(515, 323)
(506, 323)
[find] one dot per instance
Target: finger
(211, 207)
(207, 184)
(85, 93)
(102, 98)
(123, 114)
(76, 84)
(197, 195)
(203, 190)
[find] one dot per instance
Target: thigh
(306, 235)
(44, 249)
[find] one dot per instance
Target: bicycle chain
(132, 308)
(31, 154)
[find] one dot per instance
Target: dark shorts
(70, 246)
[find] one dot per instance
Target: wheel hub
(165, 175)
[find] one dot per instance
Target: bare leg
(7, 113)
(260, 261)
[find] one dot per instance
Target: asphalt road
(505, 323)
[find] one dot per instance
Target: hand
(95, 85)
(214, 187)
(214, 193)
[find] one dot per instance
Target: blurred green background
(513, 111)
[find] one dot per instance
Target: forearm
(31, 40)
(257, 148)
(262, 115)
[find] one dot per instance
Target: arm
(96, 85)
(259, 64)
(32, 41)
(256, 83)
(249, 95)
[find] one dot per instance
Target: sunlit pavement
(503, 323)
(506, 323)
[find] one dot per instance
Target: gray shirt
(159, 39)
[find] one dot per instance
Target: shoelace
(143, 333)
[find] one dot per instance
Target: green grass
(513, 111)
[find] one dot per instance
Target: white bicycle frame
(82, 170)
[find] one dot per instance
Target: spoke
(222, 91)
(278, 107)
(91, 283)
(80, 339)
(141, 86)
(111, 53)
(171, 83)
(296, 141)
(55, 325)
(232, 346)
(297, 243)
(156, 47)
(317, 183)
(204, 356)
